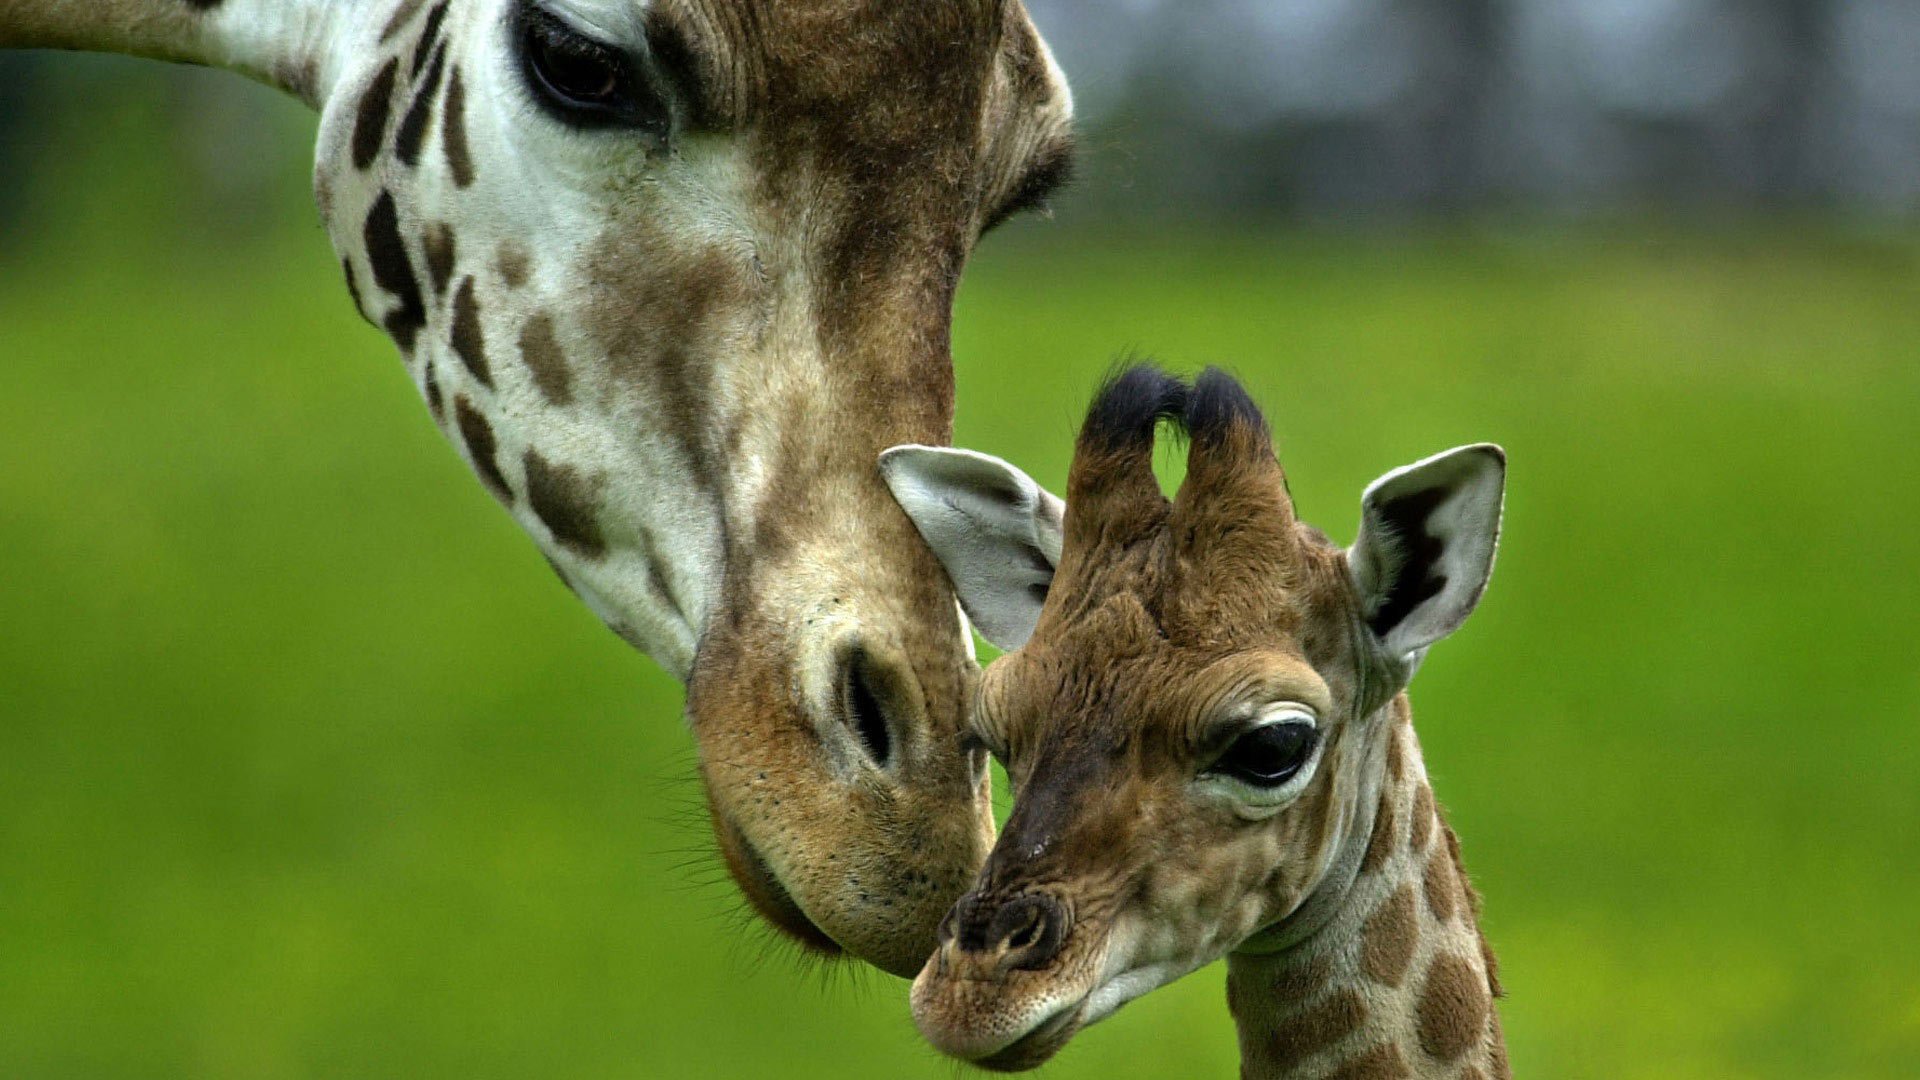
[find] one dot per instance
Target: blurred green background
(309, 767)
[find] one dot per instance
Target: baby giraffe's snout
(985, 936)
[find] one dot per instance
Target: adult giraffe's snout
(670, 275)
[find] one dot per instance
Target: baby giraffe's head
(1194, 714)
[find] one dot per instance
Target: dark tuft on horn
(1130, 406)
(1218, 406)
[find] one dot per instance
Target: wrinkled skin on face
(1155, 828)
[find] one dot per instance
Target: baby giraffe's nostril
(1028, 932)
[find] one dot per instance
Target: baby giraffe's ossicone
(1203, 715)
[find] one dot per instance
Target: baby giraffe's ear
(990, 525)
(1425, 550)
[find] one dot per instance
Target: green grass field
(309, 767)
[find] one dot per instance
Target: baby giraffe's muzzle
(984, 937)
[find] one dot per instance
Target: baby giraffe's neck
(1399, 982)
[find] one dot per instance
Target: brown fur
(1442, 890)
(453, 132)
(481, 446)
(1421, 827)
(469, 340)
(1380, 846)
(1453, 1008)
(540, 350)
(1382, 1062)
(440, 255)
(1315, 1029)
(1390, 938)
(563, 501)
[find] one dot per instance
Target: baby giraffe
(1204, 717)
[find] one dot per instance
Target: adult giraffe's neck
(1399, 981)
(291, 44)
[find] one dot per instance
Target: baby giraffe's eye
(1269, 756)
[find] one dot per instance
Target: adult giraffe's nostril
(872, 705)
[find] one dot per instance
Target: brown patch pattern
(403, 13)
(453, 132)
(1390, 936)
(469, 339)
(563, 502)
(1313, 1029)
(1421, 829)
(429, 36)
(545, 360)
(514, 264)
(393, 270)
(1452, 1015)
(1396, 757)
(1443, 891)
(1383, 1062)
(1380, 844)
(413, 127)
(353, 288)
(440, 251)
(370, 120)
(478, 435)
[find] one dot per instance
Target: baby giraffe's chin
(1024, 1018)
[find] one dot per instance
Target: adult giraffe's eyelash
(584, 82)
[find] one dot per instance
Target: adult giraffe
(671, 274)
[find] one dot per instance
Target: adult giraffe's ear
(295, 45)
(994, 529)
(1425, 550)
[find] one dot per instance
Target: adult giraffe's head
(671, 274)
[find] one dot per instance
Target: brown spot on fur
(1383, 1062)
(1380, 845)
(1473, 1073)
(545, 360)
(1442, 890)
(393, 270)
(514, 263)
(478, 435)
(440, 250)
(1313, 1029)
(403, 13)
(1453, 1008)
(1421, 829)
(370, 121)
(429, 36)
(1396, 757)
(353, 288)
(562, 501)
(1389, 938)
(413, 127)
(1302, 980)
(469, 339)
(453, 132)
(432, 384)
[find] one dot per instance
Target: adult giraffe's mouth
(764, 891)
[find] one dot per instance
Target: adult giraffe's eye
(1269, 756)
(583, 81)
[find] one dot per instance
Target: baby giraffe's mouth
(1034, 1048)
